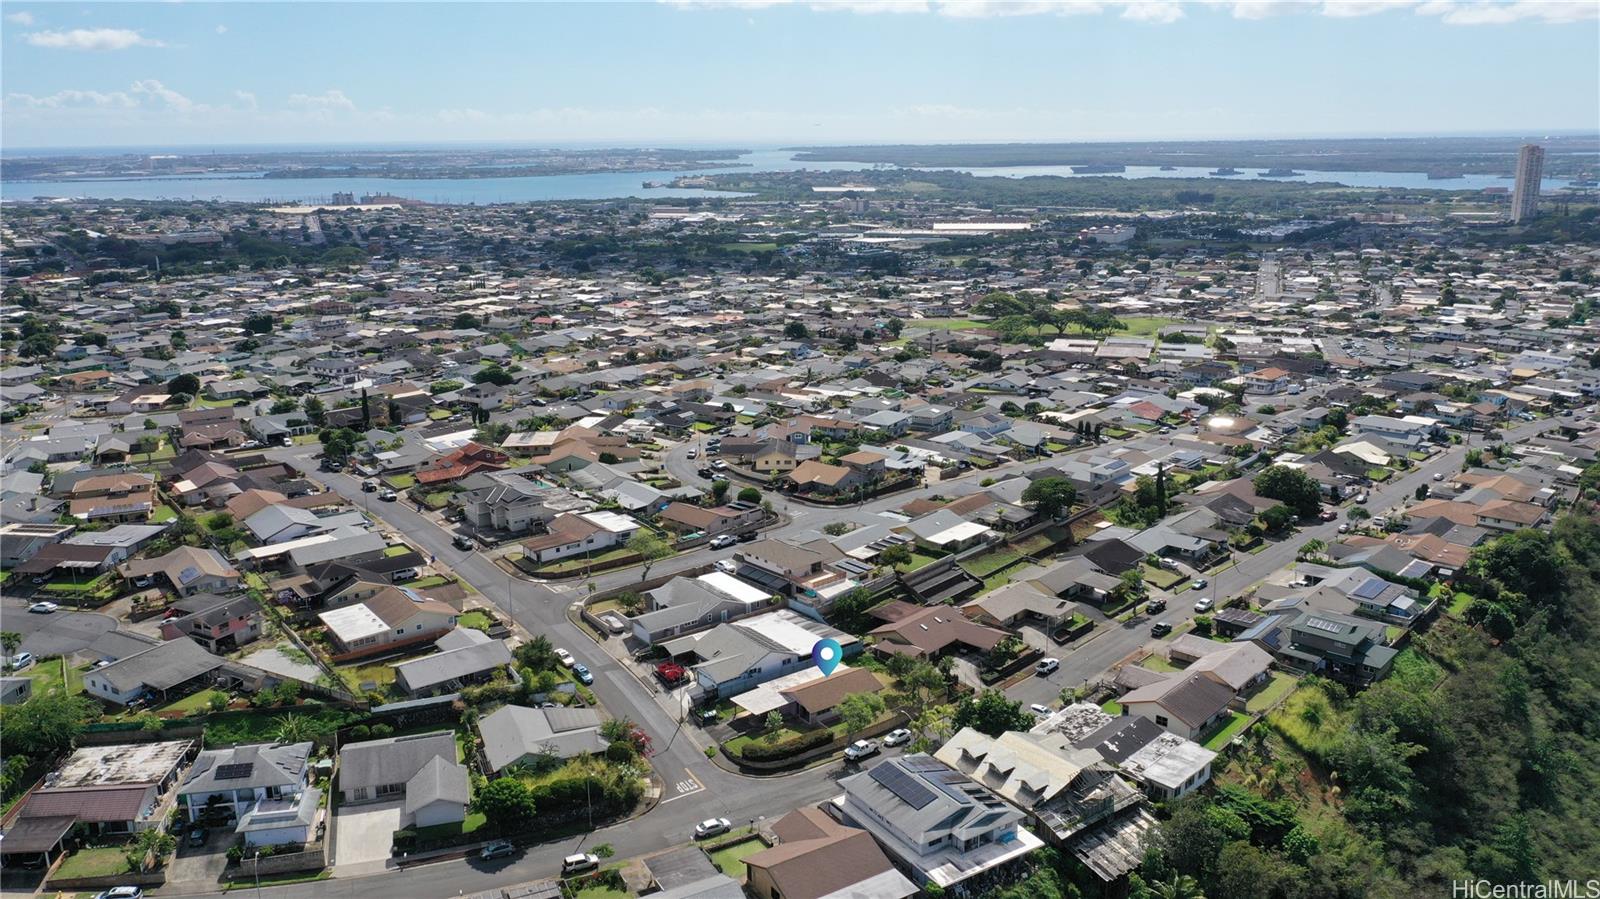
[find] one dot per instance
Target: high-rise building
(1530, 169)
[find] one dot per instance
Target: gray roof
(453, 664)
(393, 760)
(513, 731)
(160, 667)
(437, 781)
(245, 767)
(271, 814)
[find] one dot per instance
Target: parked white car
(711, 827)
(565, 657)
(1204, 605)
(1046, 666)
(861, 749)
(896, 737)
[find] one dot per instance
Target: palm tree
(291, 729)
(1181, 886)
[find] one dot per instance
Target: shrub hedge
(768, 752)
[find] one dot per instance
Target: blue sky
(766, 72)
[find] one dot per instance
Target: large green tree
(990, 712)
(1290, 486)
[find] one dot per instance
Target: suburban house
(110, 789)
(513, 733)
(189, 570)
(164, 671)
(818, 858)
(580, 533)
(219, 623)
(816, 701)
(1186, 703)
(261, 788)
(465, 656)
(421, 769)
(941, 827)
(1342, 647)
(731, 658)
(725, 519)
(1269, 380)
(1072, 794)
(929, 631)
(391, 619)
(686, 604)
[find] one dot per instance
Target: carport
(35, 840)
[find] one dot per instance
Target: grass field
(104, 861)
(1279, 686)
(946, 324)
(731, 858)
(1221, 737)
(476, 619)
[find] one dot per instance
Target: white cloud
(1451, 12)
(1162, 12)
(162, 94)
(91, 39)
(323, 105)
(246, 99)
(222, 29)
(20, 18)
(73, 99)
(1500, 12)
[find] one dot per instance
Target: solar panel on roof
(235, 771)
(1370, 588)
(188, 574)
(1323, 624)
(903, 785)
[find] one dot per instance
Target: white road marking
(686, 788)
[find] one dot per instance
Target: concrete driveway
(200, 864)
(366, 833)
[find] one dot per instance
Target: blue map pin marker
(827, 654)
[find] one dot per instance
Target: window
(1161, 720)
(358, 794)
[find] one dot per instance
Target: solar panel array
(1370, 588)
(189, 573)
(235, 771)
(1323, 624)
(910, 790)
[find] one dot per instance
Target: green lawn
(162, 513)
(193, 703)
(476, 619)
(990, 562)
(1279, 686)
(1155, 661)
(1221, 737)
(470, 824)
(432, 580)
(379, 673)
(917, 561)
(399, 549)
(1111, 707)
(1458, 604)
(104, 861)
(594, 889)
(1159, 577)
(731, 858)
(947, 324)
(54, 676)
(401, 481)
(749, 247)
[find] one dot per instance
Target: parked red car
(671, 673)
